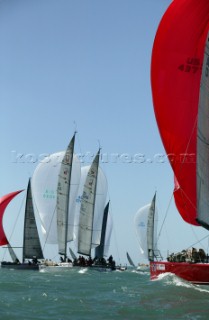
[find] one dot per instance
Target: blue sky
(86, 62)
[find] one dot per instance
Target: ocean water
(86, 294)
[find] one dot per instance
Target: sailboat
(180, 90)
(57, 211)
(31, 243)
(145, 222)
(130, 260)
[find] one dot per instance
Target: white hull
(62, 266)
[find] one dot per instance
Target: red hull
(197, 273)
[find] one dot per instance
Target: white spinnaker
(140, 223)
(44, 186)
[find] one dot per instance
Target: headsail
(86, 218)
(130, 260)
(99, 251)
(72, 254)
(12, 253)
(31, 242)
(108, 234)
(177, 59)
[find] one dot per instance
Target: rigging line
(205, 237)
(183, 162)
(166, 217)
(49, 224)
(18, 216)
(195, 235)
(49, 227)
(189, 200)
(185, 154)
(166, 214)
(75, 125)
(185, 157)
(99, 144)
(79, 147)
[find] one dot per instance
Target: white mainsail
(100, 201)
(44, 186)
(141, 227)
(87, 218)
(151, 230)
(65, 221)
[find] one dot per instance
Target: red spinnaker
(176, 65)
(4, 201)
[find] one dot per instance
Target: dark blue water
(78, 295)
